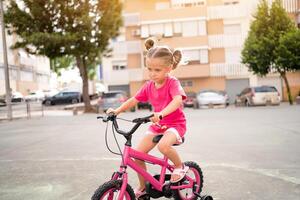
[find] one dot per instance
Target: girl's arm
(171, 107)
(125, 106)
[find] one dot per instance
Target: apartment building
(210, 34)
(26, 72)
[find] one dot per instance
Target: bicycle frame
(127, 160)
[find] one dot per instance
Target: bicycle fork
(124, 176)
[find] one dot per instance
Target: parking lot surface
(245, 154)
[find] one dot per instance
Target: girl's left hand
(155, 119)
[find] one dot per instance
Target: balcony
(291, 6)
(136, 74)
(173, 14)
(117, 77)
(131, 19)
(187, 71)
(225, 40)
(228, 69)
(177, 42)
(126, 47)
(227, 11)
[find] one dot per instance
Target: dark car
(112, 99)
(64, 97)
(190, 100)
(144, 105)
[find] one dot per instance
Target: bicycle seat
(158, 137)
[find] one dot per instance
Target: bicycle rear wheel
(111, 190)
(194, 173)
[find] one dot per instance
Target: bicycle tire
(196, 170)
(110, 188)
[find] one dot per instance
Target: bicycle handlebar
(138, 121)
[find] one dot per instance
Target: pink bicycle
(189, 188)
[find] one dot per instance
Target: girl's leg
(165, 147)
(145, 145)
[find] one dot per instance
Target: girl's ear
(170, 68)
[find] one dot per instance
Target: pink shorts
(178, 130)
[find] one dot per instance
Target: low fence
(23, 110)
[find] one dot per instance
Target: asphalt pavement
(245, 154)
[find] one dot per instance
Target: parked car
(226, 96)
(211, 98)
(16, 97)
(190, 100)
(144, 105)
(35, 96)
(112, 99)
(63, 97)
(261, 95)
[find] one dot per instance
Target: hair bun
(149, 43)
(177, 55)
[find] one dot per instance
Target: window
(189, 28)
(186, 83)
(187, 3)
(162, 5)
(26, 76)
(156, 29)
(230, 2)
(202, 27)
(144, 31)
(168, 30)
(233, 55)
(118, 65)
(192, 56)
(177, 28)
(203, 56)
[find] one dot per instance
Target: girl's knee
(163, 147)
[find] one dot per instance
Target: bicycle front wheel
(111, 190)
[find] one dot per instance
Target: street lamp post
(6, 69)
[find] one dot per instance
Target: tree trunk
(85, 85)
(283, 75)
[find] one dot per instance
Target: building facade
(26, 72)
(210, 34)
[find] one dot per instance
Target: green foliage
(269, 25)
(264, 47)
(60, 27)
(80, 29)
(59, 63)
(288, 51)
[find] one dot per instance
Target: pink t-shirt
(160, 98)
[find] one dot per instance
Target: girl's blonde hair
(169, 57)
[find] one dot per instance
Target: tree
(259, 52)
(77, 28)
(59, 63)
(288, 52)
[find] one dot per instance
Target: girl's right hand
(111, 110)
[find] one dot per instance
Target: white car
(211, 98)
(35, 96)
(259, 95)
(16, 97)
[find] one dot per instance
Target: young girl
(165, 94)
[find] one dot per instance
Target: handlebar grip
(143, 119)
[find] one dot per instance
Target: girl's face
(157, 70)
